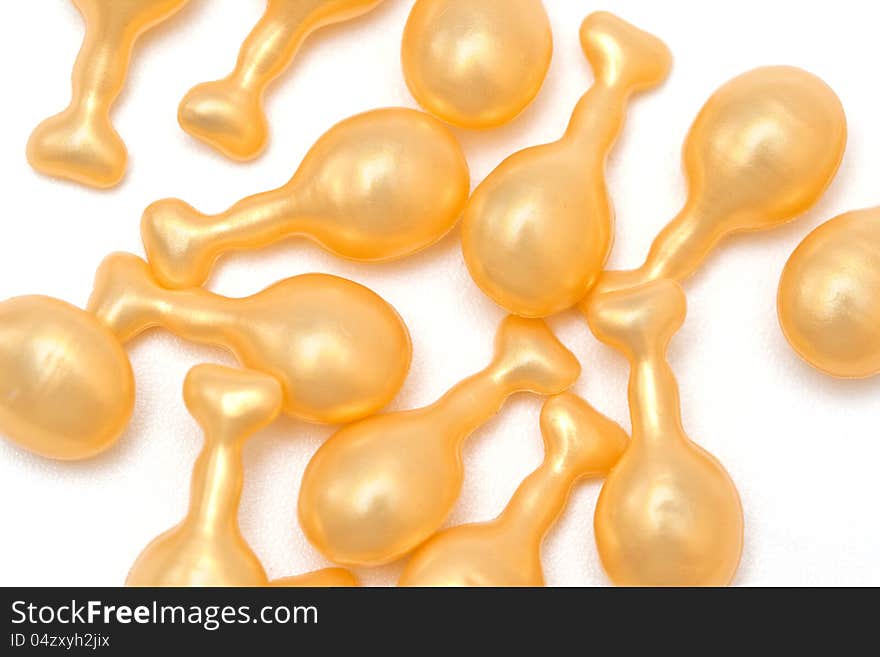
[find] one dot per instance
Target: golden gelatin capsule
(207, 547)
(81, 144)
(66, 386)
(668, 514)
(762, 151)
(829, 296)
(579, 442)
(339, 351)
(228, 114)
(476, 63)
(377, 186)
(378, 488)
(537, 232)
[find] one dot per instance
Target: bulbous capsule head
(537, 231)
(340, 351)
(378, 488)
(377, 186)
(669, 515)
(66, 385)
(382, 185)
(829, 296)
(476, 63)
(187, 556)
(764, 148)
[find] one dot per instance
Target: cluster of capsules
(536, 234)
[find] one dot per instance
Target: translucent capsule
(829, 296)
(228, 114)
(207, 547)
(579, 442)
(339, 351)
(378, 488)
(537, 231)
(81, 144)
(476, 63)
(762, 151)
(377, 186)
(668, 514)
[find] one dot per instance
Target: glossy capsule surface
(378, 488)
(476, 63)
(669, 513)
(829, 296)
(228, 114)
(80, 143)
(761, 152)
(579, 443)
(377, 186)
(207, 547)
(537, 231)
(339, 351)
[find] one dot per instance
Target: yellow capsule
(476, 63)
(537, 232)
(228, 114)
(378, 488)
(207, 547)
(339, 351)
(579, 442)
(668, 514)
(762, 151)
(377, 186)
(66, 386)
(829, 296)
(81, 144)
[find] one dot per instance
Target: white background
(802, 448)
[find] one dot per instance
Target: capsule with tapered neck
(537, 232)
(228, 114)
(476, 63)
(81, 144)
(378, 488)
(668, 514)
(579, 442)
(377, 186)
(207, 547)
(829, 296)
(761, 152)
(339, 351)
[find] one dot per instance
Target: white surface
(803, 449)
